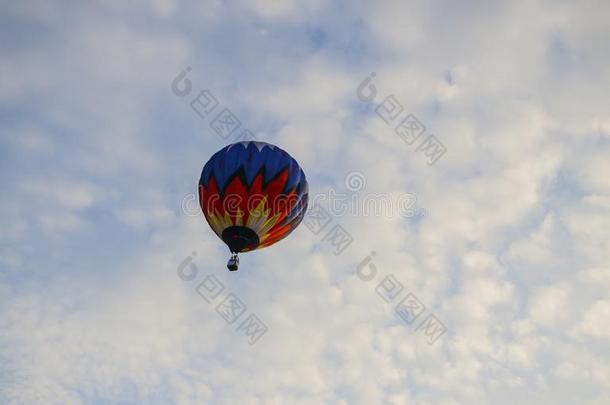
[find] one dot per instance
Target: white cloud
(511, 256)
(596, 320)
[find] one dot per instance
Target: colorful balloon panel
(252, 194)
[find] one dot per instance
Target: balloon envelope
(252, 194)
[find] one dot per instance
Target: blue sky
(99, 158)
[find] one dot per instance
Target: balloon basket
(233, 263)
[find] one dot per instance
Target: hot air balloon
(252, 194)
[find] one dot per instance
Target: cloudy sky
(507, 248)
